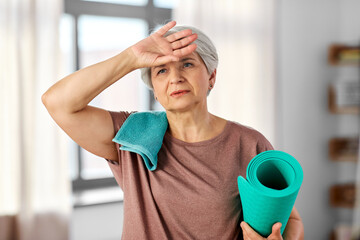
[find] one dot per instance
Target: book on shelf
(342, 231)
(349, 56)
(344, 149)
(344, 97)
(340, 54)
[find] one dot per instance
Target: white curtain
(34, 183)
(243, 32)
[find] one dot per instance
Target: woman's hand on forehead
(157, 49)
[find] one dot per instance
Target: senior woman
(193, 193)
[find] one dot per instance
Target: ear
(212, 78)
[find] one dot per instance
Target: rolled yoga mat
(268, 194)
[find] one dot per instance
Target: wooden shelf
(343, 195)
(344, 149)
(344, 98)
(340, 54)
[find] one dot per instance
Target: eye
(161, 71)
(186, 65)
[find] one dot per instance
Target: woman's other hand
(157, 50)
(251, 234)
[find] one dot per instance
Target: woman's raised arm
(67, 100)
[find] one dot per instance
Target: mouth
(179, 93)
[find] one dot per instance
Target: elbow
(45, 99)
(49, 101)
(54, 103)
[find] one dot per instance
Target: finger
(249, 232)
(276, 232)
(178, 35)
(166, 28)
(184, 42)
(185, 51)
(277, 227)
(245, 235)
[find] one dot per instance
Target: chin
(180, 107)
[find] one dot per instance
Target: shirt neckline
(169, 137)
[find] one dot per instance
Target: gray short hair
(205, 49)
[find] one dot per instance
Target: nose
(175, 76)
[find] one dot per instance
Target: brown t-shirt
(193, 193)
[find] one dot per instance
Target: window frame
(149, 13)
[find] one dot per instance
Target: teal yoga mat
(268, 194)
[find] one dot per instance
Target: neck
(191, 126)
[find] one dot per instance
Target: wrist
(131, 59)
(123, 63)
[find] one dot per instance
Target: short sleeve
(118, 119)
(116, 167)
(263, 145)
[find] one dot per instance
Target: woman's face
(182, 85)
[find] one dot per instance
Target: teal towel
(268, 194)
(143, 133)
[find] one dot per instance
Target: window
(92, 31)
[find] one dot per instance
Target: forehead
(192, 55)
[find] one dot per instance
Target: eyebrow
(186, 59)
(182, 60)
(160, 66)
